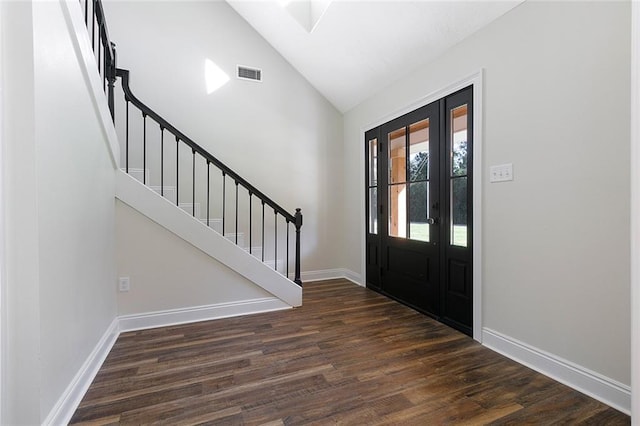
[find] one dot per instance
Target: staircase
(197, 211)
(172, 180)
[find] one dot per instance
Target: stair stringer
(165, 213)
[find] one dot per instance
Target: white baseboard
(199, 313)
(609, 391)
(329, 274)
(61, 413)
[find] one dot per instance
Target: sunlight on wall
(214, 77)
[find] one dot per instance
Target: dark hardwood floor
(348, 356)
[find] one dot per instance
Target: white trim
(70, 399)
(82, 45)
(329, 274)
(200, 313)
(3, 279)
(609, 391)
(477, 80)
(635, 212)
(352, 276)
(478, 149)
(476, 77)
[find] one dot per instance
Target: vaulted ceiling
(350, 49)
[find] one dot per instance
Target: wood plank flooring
(348, 356)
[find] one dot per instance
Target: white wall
(556, 239)
(281, 134)
(168, 273)
(59, 181)
(21, 351)
(76, 187)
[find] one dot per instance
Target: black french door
(419, 209)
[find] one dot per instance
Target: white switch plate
(124, 284)
(501, 173)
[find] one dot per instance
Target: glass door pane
(373, 162)
(373, 210)
(398, 210)
(458, 186)
(418, 211)
(397, 156)
(419, 178)
(373, 186)
(419, 151)
(397, 188)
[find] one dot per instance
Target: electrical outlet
(124, 284)
(501, 173)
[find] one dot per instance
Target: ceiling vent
(248, 73)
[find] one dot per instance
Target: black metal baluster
(275, 239)
(224, 198)
(236, 212)
(250, 208)
(262, 242)
(177, 171)
(104, 70)
(286, 271)
(104, 66)
(161, 160)
(111, 76)
(208, 196)
(96, 46)
(100, 72)
(126, 162)
(144, 148)
(298, 217)
(86, 12)
(193, 179)
(93, 25)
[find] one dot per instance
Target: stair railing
(197, 152)
(105, 53)
(103, 49)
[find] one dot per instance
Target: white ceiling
(359, 47)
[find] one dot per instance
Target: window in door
(458, 178)
(408, 179)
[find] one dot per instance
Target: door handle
(433, 220)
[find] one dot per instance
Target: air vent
(248, 73)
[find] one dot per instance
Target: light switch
(124, 284)
(501, 173)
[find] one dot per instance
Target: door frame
(3, 280)
(476, 79)
(635, 210)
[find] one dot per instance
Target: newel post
(298, 223)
